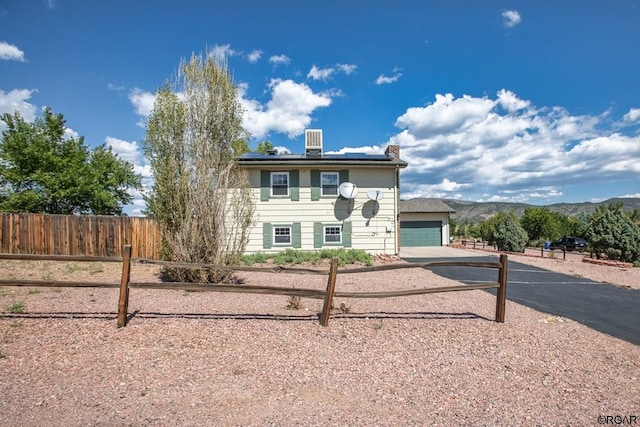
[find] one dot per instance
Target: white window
(332, 234)
(329, 183)
(281, 235)
(279, 183)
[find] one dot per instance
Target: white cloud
(382, 79)
(128, 151)
(511, 18)
(70, 133)
(632, 117)
(50, 4)
(289, 110)
(254, 56)
(16, 100)
(630, 196)
(282, 149)
(504, 148)
(9, 52)
(325, 74)
(367, 149)
(221, 52)
(142, 102)
(280, 60)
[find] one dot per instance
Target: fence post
(123, 301)
(501, 297)
(328, 296)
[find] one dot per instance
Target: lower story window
(282, 235)
(332, 234)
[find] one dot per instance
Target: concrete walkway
(438, 252)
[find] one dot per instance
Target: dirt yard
(196, 359)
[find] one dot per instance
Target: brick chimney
(393, 152)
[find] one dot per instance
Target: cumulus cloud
(142, 103)
(367, 149)
(325, 74)
(221, 52)
(632, 117)
(280, 60)
(128, 151)
(506, 149)
(70, 133)
(382, 79)
(9, 52)
(288, 111)
(511, 18)
(16, 100)
(254, 56)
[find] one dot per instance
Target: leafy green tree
(264, 147)
(540, 223)
(509, 234)
(42, 171)
(612, 232)
(240, 147)
(200, 198)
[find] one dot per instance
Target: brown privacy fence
(91, 235)
(327, 295)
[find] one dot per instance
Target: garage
(424, 222)
(420, 233)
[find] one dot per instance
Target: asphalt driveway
(605, 308)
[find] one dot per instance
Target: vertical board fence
(90, 235)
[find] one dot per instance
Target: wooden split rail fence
(327, 295)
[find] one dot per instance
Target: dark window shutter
(315, 185)
(344, 175)
(294, 185)
(318, 235)
(296, 235)
(267, 235)
(265, 185)
(346, 234)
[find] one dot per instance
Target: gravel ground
(199, 359)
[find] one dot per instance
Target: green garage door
(420, 233)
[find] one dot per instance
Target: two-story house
(315, 200)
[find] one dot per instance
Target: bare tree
(200, 198)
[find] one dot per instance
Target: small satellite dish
(375, 195)
(348, 190)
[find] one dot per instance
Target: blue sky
(524, 101)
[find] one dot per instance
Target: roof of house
(347, 159)
(424, 205)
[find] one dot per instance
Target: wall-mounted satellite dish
(348, 190)
(375, 195)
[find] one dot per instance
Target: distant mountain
(479, 211)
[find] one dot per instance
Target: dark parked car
(569, 243)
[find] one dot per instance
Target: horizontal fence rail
(327, 295)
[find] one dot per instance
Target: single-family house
(317, 200)
(424, 222)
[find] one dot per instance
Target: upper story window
(279, 183)
(329, 183)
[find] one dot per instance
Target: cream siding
(372, 226)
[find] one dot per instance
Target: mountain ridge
(475, 212)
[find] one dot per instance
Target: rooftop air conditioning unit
(313, 142)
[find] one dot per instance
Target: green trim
(315, 185)
(346, 234)
(318, 234)
(265, 185)
(338, 225)
(267, 235)
(294, 185)
(296, 235)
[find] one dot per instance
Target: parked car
(569, 243)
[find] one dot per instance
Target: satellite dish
(375, 195)
(348, 190)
